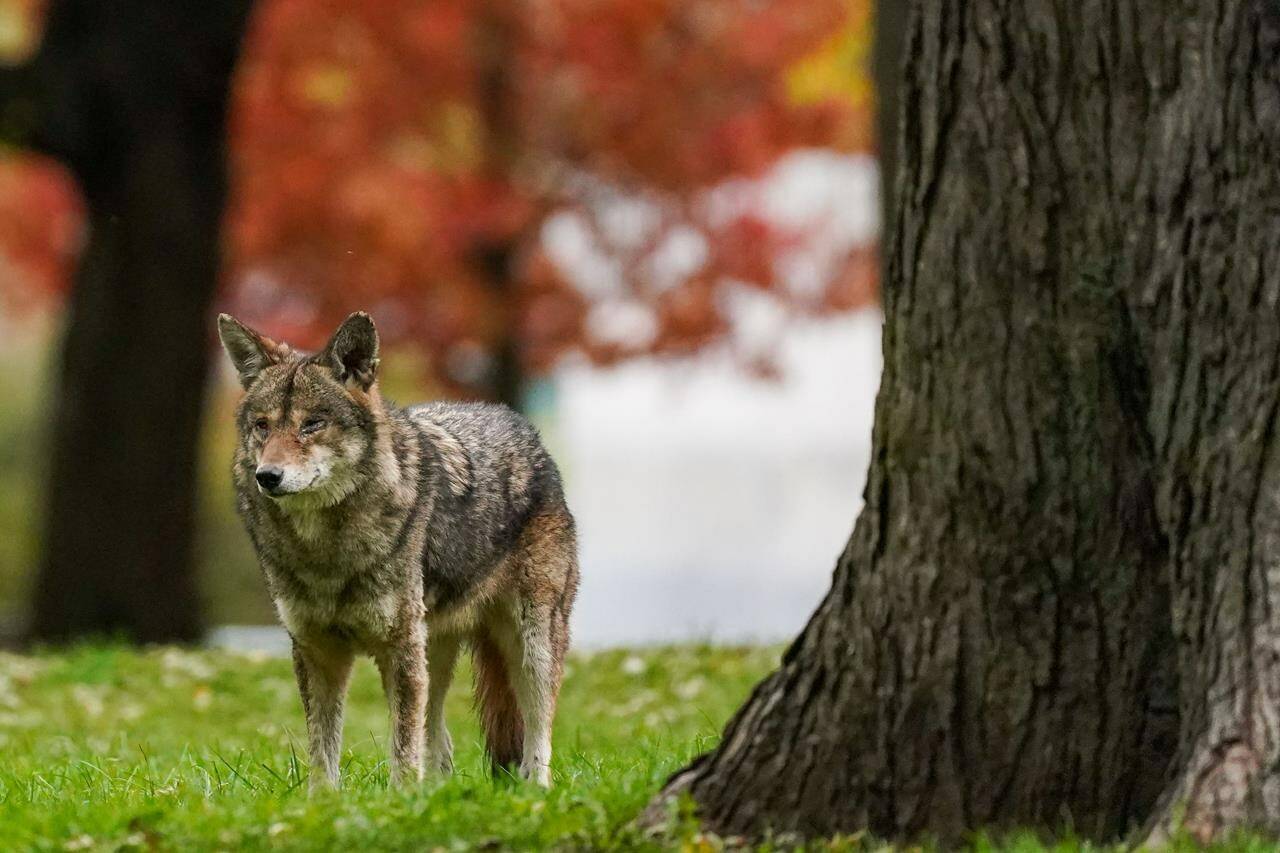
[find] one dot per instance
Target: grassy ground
(109, 748)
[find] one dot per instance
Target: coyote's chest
(348, 571)
(363, 607)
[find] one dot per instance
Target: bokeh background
(650, 224)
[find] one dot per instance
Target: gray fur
(397, 527)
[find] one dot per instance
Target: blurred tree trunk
(495, 45)
(1060, 604)
(132, 97)
(506, 378)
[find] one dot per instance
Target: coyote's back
(498, 477)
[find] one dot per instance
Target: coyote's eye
(311, 425)
(261, 427)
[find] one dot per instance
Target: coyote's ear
(250, 352)
(352, 352)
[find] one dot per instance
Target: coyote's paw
(539, 774)
(439, 764)
(439, 759)
(318, 783)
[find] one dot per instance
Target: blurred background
(652, 225)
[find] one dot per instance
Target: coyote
(404, 533)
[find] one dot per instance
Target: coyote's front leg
(322, 670)
(442, 654)
(403, 664)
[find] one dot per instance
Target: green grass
(112, 748)
(109, 748)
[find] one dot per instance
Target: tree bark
(1057, 607)
(890, 30)
(132, 96)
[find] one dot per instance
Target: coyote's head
(307, 423)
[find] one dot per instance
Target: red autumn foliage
(385, 153)
(41, 224)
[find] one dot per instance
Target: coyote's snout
(404, 534)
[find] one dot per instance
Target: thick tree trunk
(132, 97)
(1058, 605)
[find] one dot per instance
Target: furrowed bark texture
(889, 25)
(1056, 608)
(133, 98)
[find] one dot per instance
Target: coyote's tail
(496, 702)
